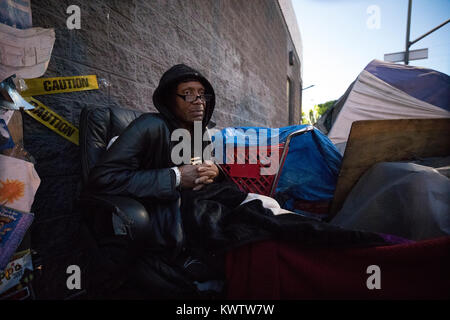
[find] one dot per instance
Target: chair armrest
(129, 216)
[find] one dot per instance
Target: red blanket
(280, 270)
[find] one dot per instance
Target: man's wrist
(177, 176)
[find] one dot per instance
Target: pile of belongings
(24, 53)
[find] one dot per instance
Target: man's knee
(133, 223)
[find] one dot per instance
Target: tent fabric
(279, 270)
(424, 84)
(403, 199)
(374, 99)
(311, 166)
(387, 91)
(325, 122)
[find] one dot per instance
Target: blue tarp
(16, 13)
(312, 164)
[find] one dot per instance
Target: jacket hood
(172, 77)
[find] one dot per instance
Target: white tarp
(373, 99)
(25, 53)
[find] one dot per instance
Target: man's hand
(197, 176)
(189, 175)
(207, 171)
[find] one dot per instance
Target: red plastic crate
(247, 176)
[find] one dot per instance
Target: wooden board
(373, 141)
(15, 127)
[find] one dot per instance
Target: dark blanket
(214, 224)
(214, 220)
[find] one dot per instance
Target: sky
(340, 37)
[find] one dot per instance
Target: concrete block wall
(242, 47)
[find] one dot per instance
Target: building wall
(242, 47)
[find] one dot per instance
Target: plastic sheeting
(312, 164)
(311, 168)
(403, 199)
(16, 13)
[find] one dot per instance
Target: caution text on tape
(40, 86)
(52, 120)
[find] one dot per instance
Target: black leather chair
(97, 127)
(114, 218)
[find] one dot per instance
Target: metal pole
(433, 30)
(308, 87)
(408, 26)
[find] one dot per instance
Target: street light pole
(408, 27)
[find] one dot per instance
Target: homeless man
(192, 222)
(139, 165)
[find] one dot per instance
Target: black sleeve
(222, 176)
(119, 171)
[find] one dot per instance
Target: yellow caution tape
(40, 86)
(52, 120)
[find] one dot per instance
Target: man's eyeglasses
(193, 97)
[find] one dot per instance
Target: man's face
(188, 112)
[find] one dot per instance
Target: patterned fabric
(19, 182)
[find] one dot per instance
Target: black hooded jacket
(138, 163)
